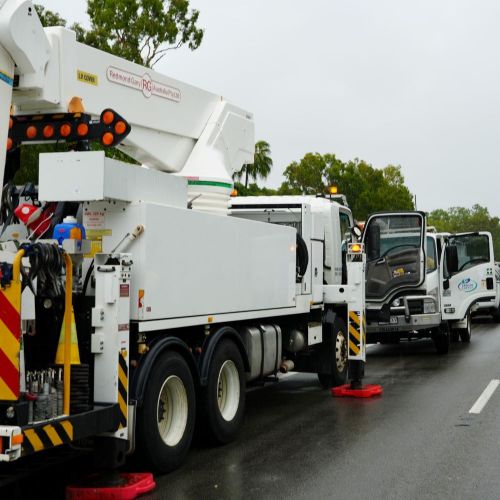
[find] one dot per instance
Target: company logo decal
(467, 285)
(143, 83)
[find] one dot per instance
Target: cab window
(472, 250)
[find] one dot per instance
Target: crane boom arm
(176, 127)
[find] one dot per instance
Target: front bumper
(399, 323)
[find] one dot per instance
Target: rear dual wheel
(222, 401)
(165, 421)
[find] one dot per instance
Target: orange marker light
(9, 143)
(17, 439)
(48, 131)
(120, 127)
(355, 248)
(82, 129)
(11, 122)
(65, 130)
(31, 132)
(107, 138)
(108, 117)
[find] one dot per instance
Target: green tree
(261, 166)
(254, 190)
(141, 31)
(367, 189)
(461, 219)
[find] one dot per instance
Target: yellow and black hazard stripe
(10, 335)
(354, 333)
(123, 388)
(47, 436)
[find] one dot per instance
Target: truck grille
(416, 306)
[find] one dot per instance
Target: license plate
(393, 320)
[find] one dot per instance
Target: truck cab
(469, 280)
(403, 279)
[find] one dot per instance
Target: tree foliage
(367, 189)
(461, 219)
(254, 190)
(261, 167)
(142, 31)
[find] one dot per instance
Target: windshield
(394, 253)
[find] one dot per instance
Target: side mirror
(356, 231)
(451, 254)
(373, 242)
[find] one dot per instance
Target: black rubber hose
(302, 258)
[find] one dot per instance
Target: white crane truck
(178, 302)
(423, 284)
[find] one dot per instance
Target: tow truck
(169, 303)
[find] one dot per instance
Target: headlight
(397, 302)
(429, 307)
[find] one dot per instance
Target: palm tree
(261, 166)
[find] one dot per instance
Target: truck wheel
(223, 399)
(496, 315)
(165, 421)
(338, 375)
(442, 339)
(465, 333)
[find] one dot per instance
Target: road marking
(478, 406)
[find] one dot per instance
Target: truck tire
(338, 348)
(465, 333)
(496, 315)
(442, 339)
(166, 419)
(222, 405)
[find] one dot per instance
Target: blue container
(68, 229)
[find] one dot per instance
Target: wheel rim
(172, 410)
(340, 351)
(228, 390)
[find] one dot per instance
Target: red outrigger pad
(131, 486)
(367, 391)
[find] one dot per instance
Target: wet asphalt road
(416, 441)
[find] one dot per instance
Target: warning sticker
(90, 78)
(94, 219)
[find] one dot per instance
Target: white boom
(176, 127)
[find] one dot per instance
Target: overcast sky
(410, 83)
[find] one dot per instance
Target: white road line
(478, 406)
